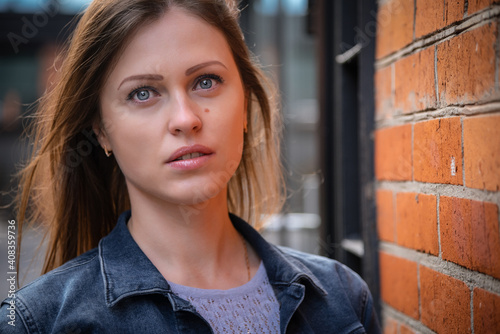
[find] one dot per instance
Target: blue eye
(206, 83)
(142, 95)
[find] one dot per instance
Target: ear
(101, 135)
(245, 111)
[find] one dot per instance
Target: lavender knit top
(250, 308)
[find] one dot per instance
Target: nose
(184, 117)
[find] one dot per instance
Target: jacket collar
(281, 267)
(127, 271)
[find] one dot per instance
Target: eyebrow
(155, 77)
(195, 68)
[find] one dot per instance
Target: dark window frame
(346, 39)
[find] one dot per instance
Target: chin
(197, 196)
(191, 205)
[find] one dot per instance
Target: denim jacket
(114, 288)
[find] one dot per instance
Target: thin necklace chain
(246, 256)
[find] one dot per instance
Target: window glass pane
(276, 32)
(73, 6)
(289, 7)
(33, 6)
(295, 7)
(267, 7)
(22, 6)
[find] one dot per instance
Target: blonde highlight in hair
(69, 184)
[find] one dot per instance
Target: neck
(192, 245)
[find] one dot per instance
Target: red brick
(445, 302)
(481, 152)
(456, 239)
(385, 215)
(394, 26)
(485, 238)
(486, 312)
(399, 284)
(466, 66)
(405, 330)
(390, 326)
(433, 15)
(429, 17)
(393, 158)
(454, 11)
(469, 234)
(416, 222)
(414, 82)
(383, 93)
(477, 5)
(437, 151)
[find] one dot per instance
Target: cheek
(121, 125)
(113, 121)
(135, 155)
(235, 141)
(131, 141)
(234, 110)
(134, 141)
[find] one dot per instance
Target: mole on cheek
(206, 110)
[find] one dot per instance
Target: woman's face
(173, 111)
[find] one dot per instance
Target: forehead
(178, 40)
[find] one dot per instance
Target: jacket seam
(301, 273)
(363, 307)
(27, 318)
(73, 265)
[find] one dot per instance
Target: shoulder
(75, 271)
(37, 305)
(341, 285)
(325, 269)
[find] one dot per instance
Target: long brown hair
(70, 186)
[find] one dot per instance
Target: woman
(188, 134)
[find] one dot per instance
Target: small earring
(108, 153)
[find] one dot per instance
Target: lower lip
(190, 164)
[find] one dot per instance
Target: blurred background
(361, 84)
(279, 32)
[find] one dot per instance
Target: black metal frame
(30, 31)
(346, 33)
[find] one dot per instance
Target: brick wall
(437, 165)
